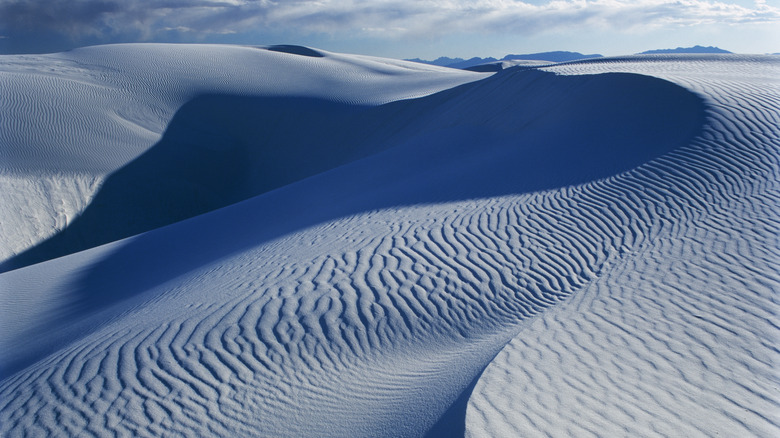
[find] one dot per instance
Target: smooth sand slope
(72, 119)
(590, 248)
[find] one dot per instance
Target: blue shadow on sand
(284, 164)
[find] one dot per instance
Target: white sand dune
(590, 247)
(71, 119)
(680, 339)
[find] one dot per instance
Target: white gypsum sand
(72, 119)
(590, 246)
(680, 338)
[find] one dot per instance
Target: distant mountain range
(694, 49)
(558, 56)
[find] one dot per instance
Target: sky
(398, 29)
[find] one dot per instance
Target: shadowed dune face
(338, 305)
(295, 50)
(515, 132)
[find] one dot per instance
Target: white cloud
(150, 19)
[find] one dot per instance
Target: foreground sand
(581, 249)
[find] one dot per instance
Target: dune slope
(680, 338)
(220, 149)
(516, 236)
(72, 119)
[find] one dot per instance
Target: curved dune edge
(444, 155)
(379, 319)
(72, 119)
(515, 132)
(678, 338)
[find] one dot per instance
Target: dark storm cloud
(52, 24)
(88, 16)
(54, 15)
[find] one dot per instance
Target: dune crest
(676, 340)
(477, 261)
(84, 114)
(518, 131)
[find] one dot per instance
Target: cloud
(136, 20)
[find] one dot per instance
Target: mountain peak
(694, 49)
(557, 56)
